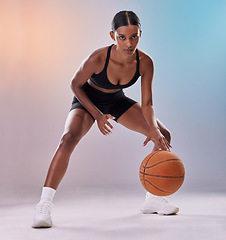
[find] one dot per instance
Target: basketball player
(98, 88)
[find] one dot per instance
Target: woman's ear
(140, 33)
(112, 35)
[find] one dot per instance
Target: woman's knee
(70, 139)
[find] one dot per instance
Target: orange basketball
(162, 173)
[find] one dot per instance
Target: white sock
(47, 194)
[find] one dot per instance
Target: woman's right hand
(160, 142)
(103, 123)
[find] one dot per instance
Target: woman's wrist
(97, 115)
(154, 127)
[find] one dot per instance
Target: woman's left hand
(103, 123)
(158, 139)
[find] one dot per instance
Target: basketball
(162, 173)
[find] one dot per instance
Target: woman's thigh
(78, 123)
(134, 120)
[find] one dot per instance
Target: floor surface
(105, 215)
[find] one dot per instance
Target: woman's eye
(121, 37)
(134, 37)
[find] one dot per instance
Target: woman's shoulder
(96, 59)
(146, 62)
(98, 55)
(144, 57)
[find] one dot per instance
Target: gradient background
(43, 42)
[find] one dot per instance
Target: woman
(98, 85)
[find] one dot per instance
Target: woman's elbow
(74, 85)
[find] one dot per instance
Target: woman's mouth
(129, 50)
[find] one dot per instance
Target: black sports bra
(101, 79)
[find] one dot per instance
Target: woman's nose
(128, 43)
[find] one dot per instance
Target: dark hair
(125, 18)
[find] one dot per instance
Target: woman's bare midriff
(102, 89)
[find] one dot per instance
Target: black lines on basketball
(155, 186)
(150, 158)
(161, 176)
(168, 160)
(162, 173)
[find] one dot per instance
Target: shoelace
(163, 200)
(44, 208)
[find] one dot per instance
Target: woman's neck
(122, 58)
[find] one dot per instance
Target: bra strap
(138, 61)
(108, 57)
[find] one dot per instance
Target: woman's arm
(85, 71)
(147, 72)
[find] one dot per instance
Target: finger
(156, 148)
(103, 130)
(146, 141)
(162, 144)
(167, 144)
(107, 130)
(110, 116)
(109, 125)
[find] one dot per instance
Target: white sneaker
(156, 204)
(42, 218)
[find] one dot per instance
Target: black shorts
(108, 103)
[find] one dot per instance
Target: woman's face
(127, 38)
